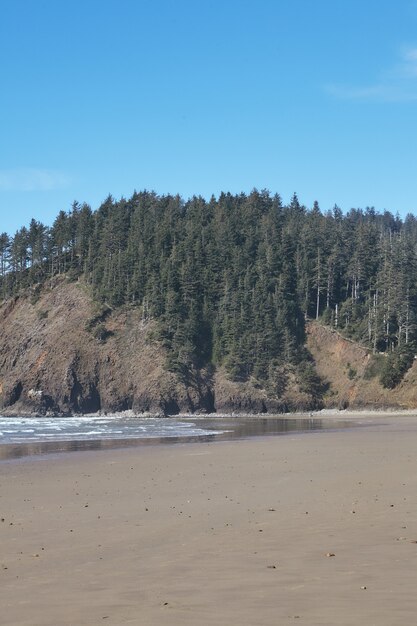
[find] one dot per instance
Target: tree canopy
(231, 281)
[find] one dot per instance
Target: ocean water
(20, 430)
(29, 436)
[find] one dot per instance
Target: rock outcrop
(60, 354)
(349, 370)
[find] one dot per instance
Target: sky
(195, 97)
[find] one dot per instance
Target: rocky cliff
(352, 373)
(61, 354)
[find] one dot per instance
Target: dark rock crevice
(15, 393)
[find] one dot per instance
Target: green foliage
(42, 314)
(327, 316)
(73, 274)
(35, 294)
(351, 372)
(100, 314)
(277, 379)
(374, 367)
(230, 281)
(395, 367)
(100, 332)
(309, 381)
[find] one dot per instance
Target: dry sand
(225, 533)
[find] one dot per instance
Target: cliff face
(348, 369)
(59, 355)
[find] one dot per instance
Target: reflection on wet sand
(233, 428)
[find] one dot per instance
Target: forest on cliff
(231, 281)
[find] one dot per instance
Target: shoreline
(219, 428)
(213, 429)
(384, 411)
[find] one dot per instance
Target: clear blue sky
(199, 96)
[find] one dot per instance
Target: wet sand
(225, 533)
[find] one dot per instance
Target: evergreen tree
(230, 281)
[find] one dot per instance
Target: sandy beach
(315, 529)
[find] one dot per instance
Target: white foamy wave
(30, 429)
